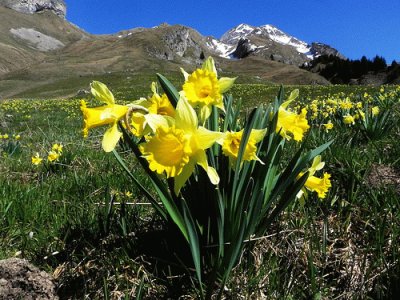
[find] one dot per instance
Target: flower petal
(101, 92)
(209, 65)
(206, 138)
(111, 138)
(181, 179)
(155, 121)
(225, 83)
(185, 74)
(185, 116)
(201, 159)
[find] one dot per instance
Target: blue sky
(354, 27)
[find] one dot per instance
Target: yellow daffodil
(328, 126)
(108, 114)
(53, 156)
(290, 122)
(375, 111)
(316, 184)
(203, 89)
(36, 160)
(57, 148)
(156, 105)
(349, 120)
(319, 185)
(176, 149)
(231, 143)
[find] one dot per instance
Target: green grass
(76, 219)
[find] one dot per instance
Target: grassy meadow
(80, 217)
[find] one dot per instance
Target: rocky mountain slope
(40, 50)
(34, 6)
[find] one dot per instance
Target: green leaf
(193, 240)
(169, 89)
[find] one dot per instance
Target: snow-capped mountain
(266, 37)
(266, 41)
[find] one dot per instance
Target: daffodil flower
(316, 184)
(176, 149)
(156, 105)
(328, 126)
(36, 159)
(290, 122)
(203, 89)
(53, 156)
(375, 111)
(349, 120)
(108, 114)
(231, 143)
(57, 148)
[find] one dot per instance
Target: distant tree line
(339, 70)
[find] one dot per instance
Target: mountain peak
(34, 6)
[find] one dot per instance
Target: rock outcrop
(34, 6)
(243, 49)
(318, 49)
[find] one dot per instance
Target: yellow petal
(206, 138)
(225, 83)
(316, 165)
(293, 95)
(101, 92)
(181, 179)
(258, 134)
(201, 159)
(185, 74)
(209, 65)
(205, 113)
(155, 121)
(111, 138)
(185, 116)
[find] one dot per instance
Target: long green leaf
(193, 243)
(140, 186)
(169, 89)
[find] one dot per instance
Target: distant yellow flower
(57, 148)
(328, 126)
(290, 122)
(346, 104)
(104, 115)
(53, 156)
(375, 111)
(5, 136)
(17, 137)
(176, 149)
(349, 120)
(319, 185)
(231, 143)
(316, 184)
(203, 89)
(36, 160)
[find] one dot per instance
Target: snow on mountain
(280, 37)
(243, 31)
(221, 48)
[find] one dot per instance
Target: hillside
(42, 54)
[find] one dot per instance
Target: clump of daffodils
(52, 157)
(218, 174)
(10, 144)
